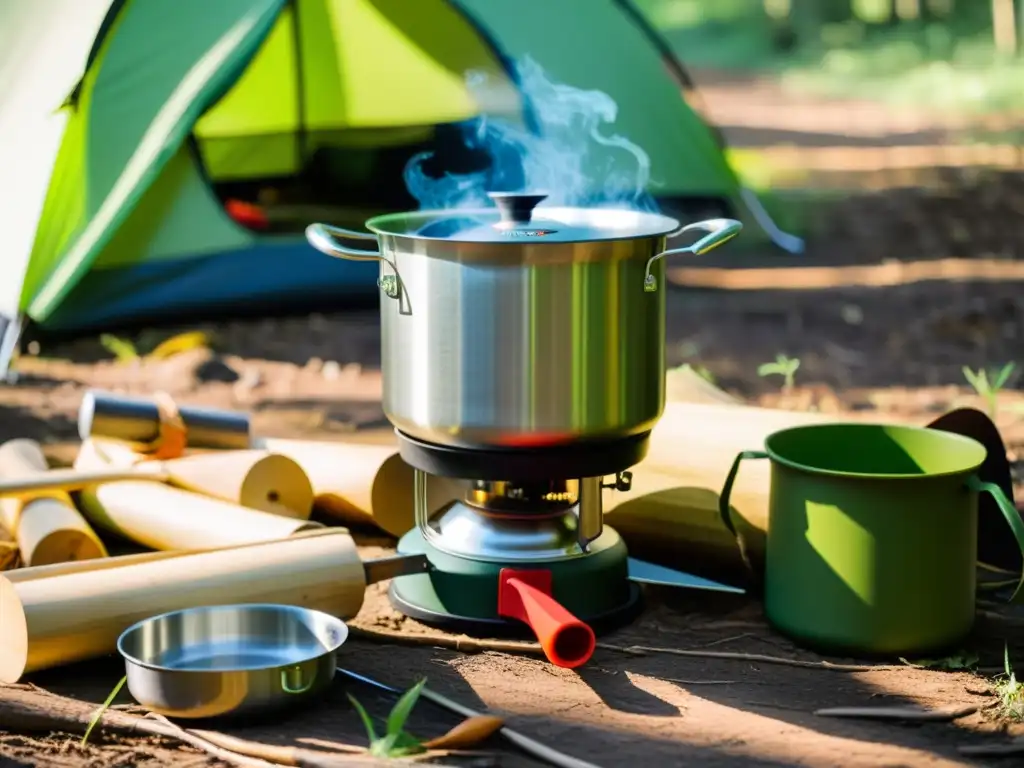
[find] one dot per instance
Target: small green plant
(988, 384)
(1010, 690)
(98, 714)
(700, 370)
(783, 366)
(962, 660)
(397, 742)
(122, 349)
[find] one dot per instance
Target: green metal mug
(872, 536)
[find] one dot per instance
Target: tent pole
(301, 136)
(10, 334)
(784, 240)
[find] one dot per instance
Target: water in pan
(237, 654)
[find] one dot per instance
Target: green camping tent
(133, 131)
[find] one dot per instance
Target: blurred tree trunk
(806, 18)
(836, 10)
(940, 8)
(1019, 25)
(1004, 26)
(908, 10)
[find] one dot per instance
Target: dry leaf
(182, 342)
(9, 555)
(468, 733)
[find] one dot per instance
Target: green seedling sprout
(98, 714)
(397, 742)
(961, 660)
(988, 384)
(122, 349)
(1010, 690)
(700, 370)
(783, 366)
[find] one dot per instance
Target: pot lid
(517, 218)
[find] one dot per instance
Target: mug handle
(1013, 518)
(723, 507)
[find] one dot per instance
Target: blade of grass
(103, 708)
(401, 711)
(371, 733)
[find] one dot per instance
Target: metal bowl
(230, 659)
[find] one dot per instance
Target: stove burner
(530, 498)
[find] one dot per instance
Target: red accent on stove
(538, 440)
(526, 595)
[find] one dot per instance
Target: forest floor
(885, 339)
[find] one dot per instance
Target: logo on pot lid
(527, 232)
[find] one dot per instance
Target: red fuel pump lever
(526, 595)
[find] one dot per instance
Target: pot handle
(1013, 519)
(719, 231)
(723, 507)
(323, 238)
(302, 687)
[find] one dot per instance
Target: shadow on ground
(657, 708)
(18, 422)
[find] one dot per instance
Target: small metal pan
(230, 659)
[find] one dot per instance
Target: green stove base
(461, 594)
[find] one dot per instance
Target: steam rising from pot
(573, 155)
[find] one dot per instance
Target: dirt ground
(318, 377)
(895, 349)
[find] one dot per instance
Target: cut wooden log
(363, 484)
(161, 517)
(253, 478)
(45, 524)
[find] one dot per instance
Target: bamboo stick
(120, 561)
(49, 622)
(161, 517)
(361, 485)
(671, 514)
(357, 484)
(45, 524)
(256, 479)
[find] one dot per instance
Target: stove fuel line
(525, 743)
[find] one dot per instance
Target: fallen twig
(470, 645)
(24, 709)
(723, 640)
(916, 714)
(461, 643)
(760, 658)
(1007, 621)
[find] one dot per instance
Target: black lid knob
(516, 207)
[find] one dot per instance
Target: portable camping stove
(521, 554)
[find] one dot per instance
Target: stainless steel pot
(511, 327)
(230, 659)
